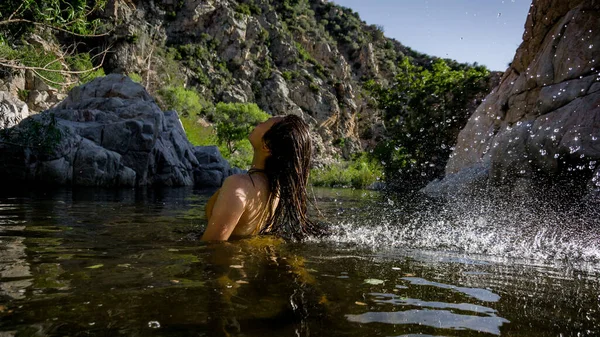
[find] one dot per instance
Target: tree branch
(6, 22)
(16, 11)
(11, 64)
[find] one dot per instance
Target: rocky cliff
(542, 123)
(277, 54)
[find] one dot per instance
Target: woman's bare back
(253, 188)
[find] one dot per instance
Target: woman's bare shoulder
(237, 181)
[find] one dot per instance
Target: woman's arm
(227, 209)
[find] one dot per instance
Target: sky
(484, 31)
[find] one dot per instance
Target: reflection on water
(128, 263)
(480, 294)
(440, 319)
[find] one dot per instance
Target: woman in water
(271, 198)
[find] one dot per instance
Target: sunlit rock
(543, 121)
(12, 110)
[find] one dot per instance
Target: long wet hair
(287, 169)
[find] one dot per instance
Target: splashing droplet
(154, 324)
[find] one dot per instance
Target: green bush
(242, 157)
(33, 57)
(185, 101)
(243, 9)
(83, 62)
(424, 111)
(234, 121)
(199, 135)
(135, 77)
(360, 172)
(287, 75)
(305, 55)
(67, 15)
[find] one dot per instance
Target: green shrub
(243, 9)
(360, 172)
(185, 101)
(33, 57)
(242, 157)
(83, 62)
(234, 121)
(424, 111)
(23, 94)
(304, 55)
(135, 77)
(287, 75)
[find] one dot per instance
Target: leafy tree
(185, 101)
(234, 121)
(18, 18)
(69, 16)
(424, 110)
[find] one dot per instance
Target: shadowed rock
(109, 132)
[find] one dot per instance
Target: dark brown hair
(287, 169)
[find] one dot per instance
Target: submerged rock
(109, 132)
(542, 123)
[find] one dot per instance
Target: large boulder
(109, 132)
(212, 167)
(542, 123)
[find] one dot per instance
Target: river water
(128, 263)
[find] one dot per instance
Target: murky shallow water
(98, 263)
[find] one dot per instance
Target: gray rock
(38, 100)
(108, 132)
(12, 110)
(209, 178)
(208, 155)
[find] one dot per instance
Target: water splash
(493, 228)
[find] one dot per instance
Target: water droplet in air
(543, 152)
(591, 46)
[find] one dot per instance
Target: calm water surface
(126, 263)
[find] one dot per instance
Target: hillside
(311, 58)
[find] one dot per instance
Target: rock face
(542, 123)
(258, 57)
(109, 132)
(12, 110)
